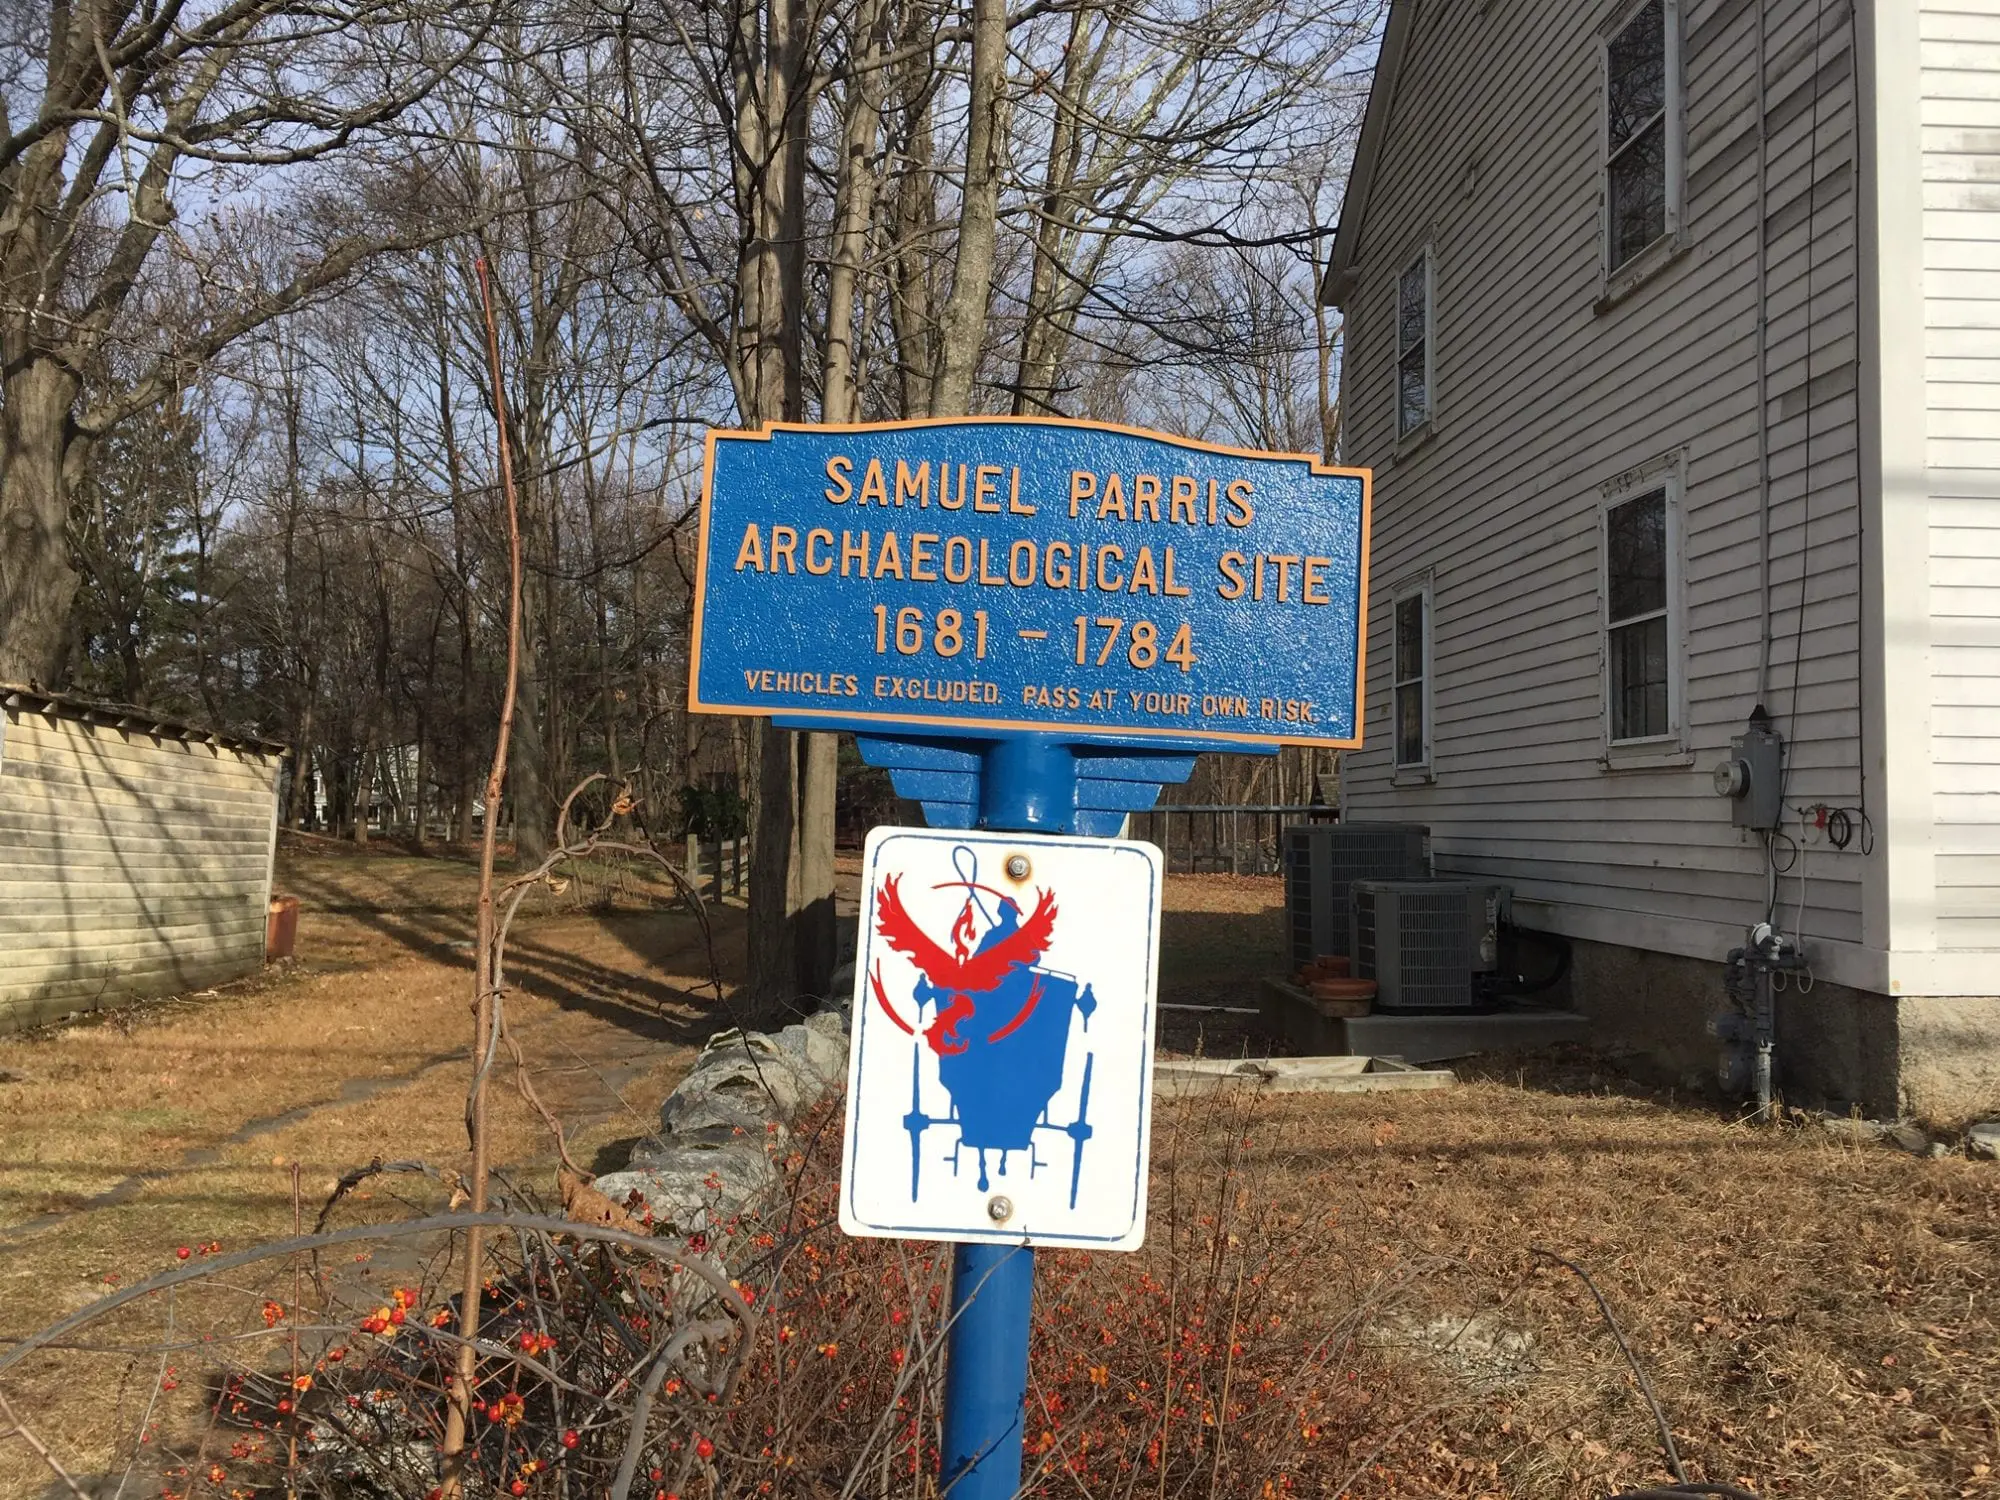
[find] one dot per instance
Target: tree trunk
(818, 932)
(37, 583)
(774, 869)
(364, 788)
(527, 779)
(423, 775)
(300, 802)
(963, 331)
(854, 212)
(1041, 338)
(465, 765)
(790, 930)
(912, 309)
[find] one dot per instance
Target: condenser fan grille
(1430, 929)
(1419, 940)
(1322, 861)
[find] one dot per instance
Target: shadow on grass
(424, 910)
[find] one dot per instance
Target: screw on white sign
(1000, 1082)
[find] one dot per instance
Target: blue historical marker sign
(1018, 574)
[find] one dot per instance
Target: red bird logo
(960, 974)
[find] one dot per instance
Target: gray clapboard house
(1673, 338)
(135, 855)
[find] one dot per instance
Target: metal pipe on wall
(1763, 372)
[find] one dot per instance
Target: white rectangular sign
(1000, 1082)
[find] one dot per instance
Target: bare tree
(695, 214)
(114, 119)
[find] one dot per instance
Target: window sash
(1612, 45)
(1641, 701)
(1634, 558)
(1664, 182)
(1411, 746)
(1413, 352)
(1633, 183)
(1411, 638)
(1642, 665)
(1413, 391)
(1410, 692)
(1404, 342)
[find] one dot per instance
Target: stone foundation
(1950, 1051)
(1937, 1058)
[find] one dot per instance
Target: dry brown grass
(1817, 1319)
(173, 1125)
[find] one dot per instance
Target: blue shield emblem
(998, 1022)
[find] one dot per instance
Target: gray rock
(1909, 1138)
(1479, 1347)
(695, 1111)
(825, 1054)
(719, 1129)
(671, 1202)
(1984, 1140)
(693, 1184)
(752, 1075)
(1852, 1131)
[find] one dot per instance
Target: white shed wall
(1543, 396)
(130, 865)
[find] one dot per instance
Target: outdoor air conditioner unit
(1424, 942)
(1323, 860)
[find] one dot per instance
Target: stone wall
(726, 1127)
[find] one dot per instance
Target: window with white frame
(1413, 345)
(1641, 578)
(1412, 675)
(1642, 163)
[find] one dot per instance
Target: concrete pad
(1292, 1013)
(1295, 1075)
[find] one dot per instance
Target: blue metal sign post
(1027, 784)
(1031, 624)
(986, 1371)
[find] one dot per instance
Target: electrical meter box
(1753, 777)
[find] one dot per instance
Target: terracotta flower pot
(1344, 997)
(281, 928)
